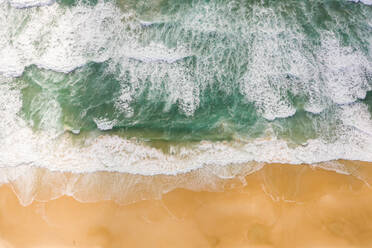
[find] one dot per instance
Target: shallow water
(279, 206)
(198, 123)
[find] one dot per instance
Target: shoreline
(276, 206)
(31, 183)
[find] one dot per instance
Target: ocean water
(170, 86)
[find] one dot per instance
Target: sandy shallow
(279, 206)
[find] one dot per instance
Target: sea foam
(330, 75)
(105, 152)
(368, 2)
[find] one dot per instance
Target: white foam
(357, 116)
(24, 153)
(343, 72)
(48, 37)
(65, 38)
(9, 62)
(368, 2)
(62, 39)
(273, 59)
(343, 79)
(174, 79)
(30, 3)
(104, 123)
(155, 53)
(21, 146)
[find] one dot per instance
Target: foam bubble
(272, 54)
(368, 2)
(344, 72)
(174, 79)
(357, 116)
(105, 124)
(9, 62)
(155, 53)
(62, 39)
(30, 3)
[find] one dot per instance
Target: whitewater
(183, 86)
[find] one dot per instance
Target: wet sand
(279, 206)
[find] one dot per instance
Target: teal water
(245, 65)
(163, 86)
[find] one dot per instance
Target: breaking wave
(173, 87)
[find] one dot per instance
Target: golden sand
(280, 206)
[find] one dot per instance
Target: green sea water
(170, 86)
(148, 91)
(231, 70)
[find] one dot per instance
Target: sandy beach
(279, 206)
(185, 124)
